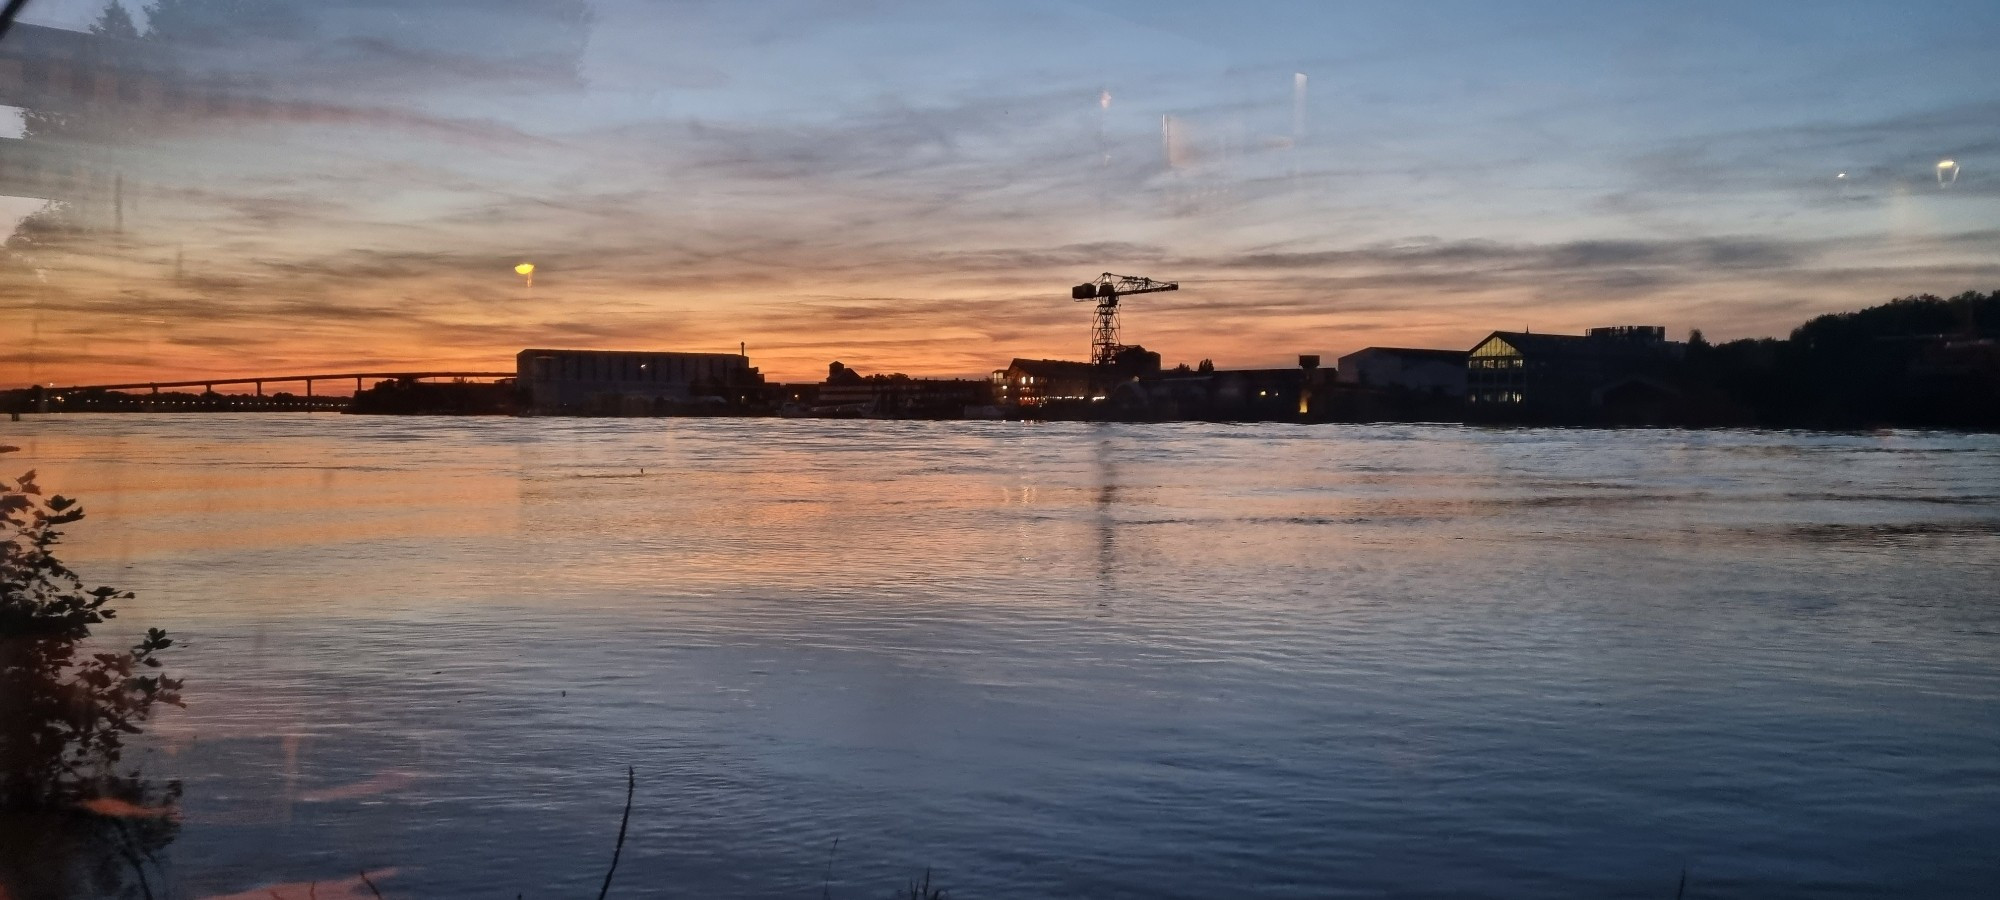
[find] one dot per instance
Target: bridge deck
(279, 379)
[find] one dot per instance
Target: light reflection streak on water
(1061, 659)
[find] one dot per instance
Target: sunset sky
(913, 186)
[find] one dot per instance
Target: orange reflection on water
(382, 783)
(149, 509)
(368, 513)
(355, 888)
(121, 809)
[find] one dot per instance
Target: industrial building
(1522, 375)
(1438, 372)
(635, 383)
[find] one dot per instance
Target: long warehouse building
(632, 382)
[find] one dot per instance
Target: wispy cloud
(914, 186)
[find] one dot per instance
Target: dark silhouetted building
(1230, 395)
(1565, 377)
(1440, 372)
(1035, 382)
(1043, 382)
(847, 393)
(635, 383)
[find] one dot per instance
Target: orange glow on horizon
(140, 323)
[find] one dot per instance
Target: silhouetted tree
(1915, 361)
(76, 819)
(116, 22)
(39, 123)
(73, 133)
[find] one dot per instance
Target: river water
(1056, 660)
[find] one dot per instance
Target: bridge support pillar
(309, 387)
(357, 384)
(260, 389)
(156, 389)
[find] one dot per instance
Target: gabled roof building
(1519, 374)
(1038, 382)
(1033, 382)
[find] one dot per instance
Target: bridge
(39, 396)
(208, 384)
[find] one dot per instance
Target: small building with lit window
(1042, 382)
(1035, 382)
(1523, 375)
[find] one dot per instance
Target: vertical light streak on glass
(1298, 108)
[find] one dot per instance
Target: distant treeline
(407, 397)
(1921, 361)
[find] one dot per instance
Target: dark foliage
(66, 790)
(1920, 361)
(455, 398)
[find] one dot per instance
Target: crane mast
(1106, 290)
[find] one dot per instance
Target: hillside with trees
(1920, 361)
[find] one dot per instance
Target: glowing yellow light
(525, 269)
(1946, 164)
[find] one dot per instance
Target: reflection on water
(1058, 660)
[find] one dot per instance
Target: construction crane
(1106, 290)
